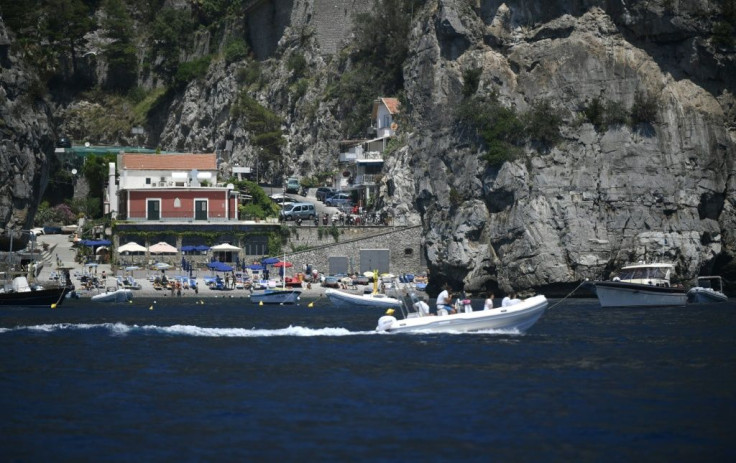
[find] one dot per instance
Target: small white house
(384, 110)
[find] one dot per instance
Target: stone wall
(403, 243)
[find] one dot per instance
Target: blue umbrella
(270, 260)
(255, 267)
(201, 247)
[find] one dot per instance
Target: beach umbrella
(255, 267)
(162, 247)
(270, 260)
(283, 264)
(201, 247)
(226, 247)
(219, 267)
(131, 247)
(102, 249)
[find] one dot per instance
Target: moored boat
(114, 295)
(366, 300)
(708, 289)
(19, 292)
(276, 296)
(641, 285)
(518, 317)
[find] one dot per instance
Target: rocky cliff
(595, 199)
(26, 138)
(599, 198)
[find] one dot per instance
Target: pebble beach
(60, 247)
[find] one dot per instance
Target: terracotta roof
(392, 104)
(136, 161)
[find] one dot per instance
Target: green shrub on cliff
(542, 123)
(499, 127)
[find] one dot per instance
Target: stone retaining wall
(403, 243)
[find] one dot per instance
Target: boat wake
(121, 329)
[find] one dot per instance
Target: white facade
(136, 179)
(384, 121)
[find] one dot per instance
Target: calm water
(230, 382)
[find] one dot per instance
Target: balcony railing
(367, 179)
(174, 216)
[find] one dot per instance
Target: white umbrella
(131, 247)
(225, 247)
(162, 248)
(102, 249)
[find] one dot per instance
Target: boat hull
(620, 294)
(276, 297)
(518, 317)
(697, 295)
(371, 301)
(46, 296)
(120, 295)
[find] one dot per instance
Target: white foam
(121, 329)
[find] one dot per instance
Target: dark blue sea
(179, 380)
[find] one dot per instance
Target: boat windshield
(643, 273)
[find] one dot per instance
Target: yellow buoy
(260, 303)
(390, 312)
(310, 305)
(150, 308)
(53, 306)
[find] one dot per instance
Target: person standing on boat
(444, 301)
(489, 302)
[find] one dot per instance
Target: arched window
(177, 202)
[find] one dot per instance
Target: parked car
(331, 282)
(298, 211)
(292, 185)
(339, 199)
(323, 191)
(282, 200)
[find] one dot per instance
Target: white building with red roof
(171, 187)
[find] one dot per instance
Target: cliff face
(25, 139)
(600, 197)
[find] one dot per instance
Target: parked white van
(298, 210)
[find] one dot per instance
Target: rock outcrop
(26, 137)
(599, 198)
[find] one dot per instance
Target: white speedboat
(367, 300)
(641, 285)
(114, 295)
(518, 317)
(709, 289)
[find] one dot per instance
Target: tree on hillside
(375, 66)
(121, 52)
(66, 23)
